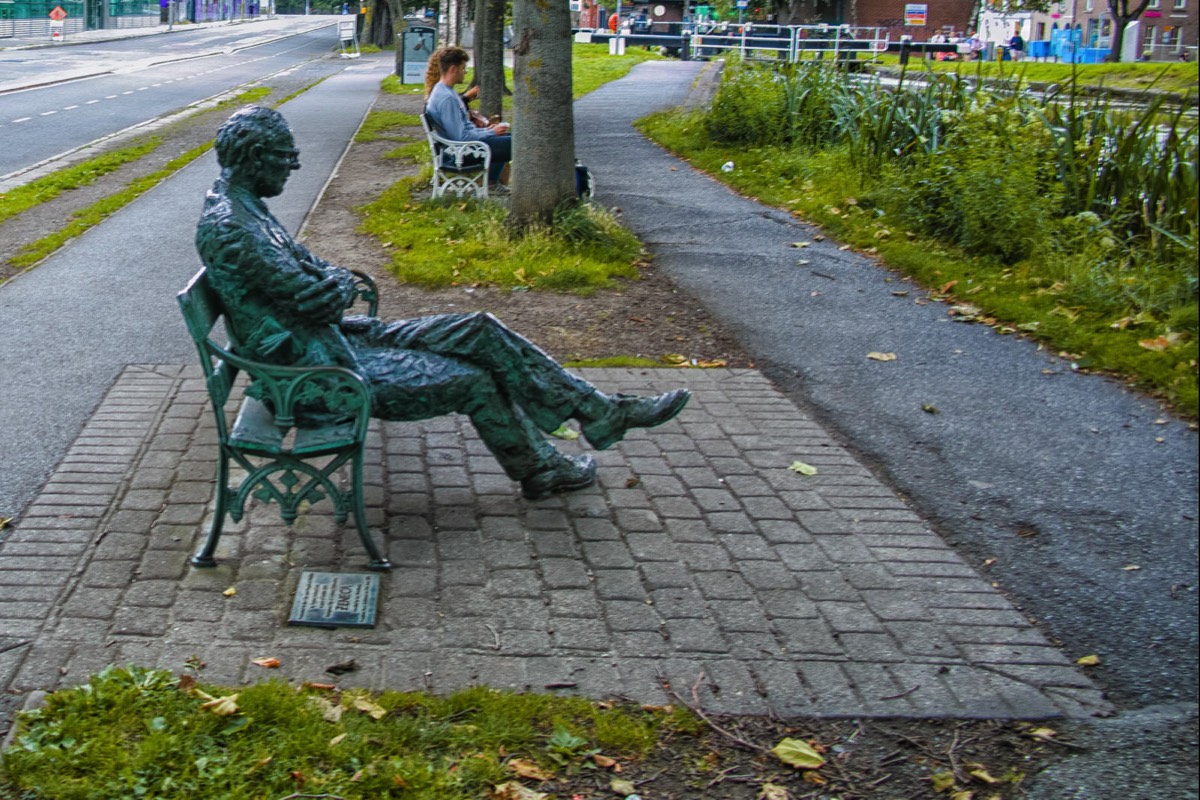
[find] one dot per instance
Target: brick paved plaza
(699, 553)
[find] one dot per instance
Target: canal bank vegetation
(1071, 221)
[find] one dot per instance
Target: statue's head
(255, 149)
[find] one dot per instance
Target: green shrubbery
(1068, 218)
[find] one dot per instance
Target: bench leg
(204, 556)
(378, 561)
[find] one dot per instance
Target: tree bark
(1119, 11)
(543, 172)
(489, 55)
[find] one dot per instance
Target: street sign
(743, 3)
(915, 14)
(58, 15)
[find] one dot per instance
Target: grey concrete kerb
(698, 554)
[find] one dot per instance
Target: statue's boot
(565, 474)
(619, 413)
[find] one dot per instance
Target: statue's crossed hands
(323, 301)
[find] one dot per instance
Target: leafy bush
(750, 107)
(989, 190)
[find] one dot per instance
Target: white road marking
(91, 102)
(47, 113)
(110, 97)
(23, 119)
(129, 92)
(68, 108)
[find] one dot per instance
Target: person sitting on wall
(285, 306)
(449, 113)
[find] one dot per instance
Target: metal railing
(791, 43)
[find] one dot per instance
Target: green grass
(457, 243)
(47, 188)
(132, 732)
(1164, 77)
(97, 212)
(466, 243)
(1099, 316)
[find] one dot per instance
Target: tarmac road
(72, 324)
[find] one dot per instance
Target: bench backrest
(202, 309)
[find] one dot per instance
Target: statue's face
(274, 162)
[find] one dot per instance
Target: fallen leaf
(947, 286)
(1045, 734)
(813, 777)
(802, 468)
(818, 237)
(929, 409)
(987, 562)
(963, 795)
(1131, 568)
(674, 358)
(604, 762)
(564, 431)
(798, 753)
(1159, 343)
(901, 293)
(330, 711)
(370, 707)
(882, 233)
(712, 363)
(877, 356)
(979, 772)
(942, 781)
(801, 244)
(515, 791)
(1161, 421)
(773, 791)
(4, 522)
(341, 737)
(267, 663)
(523, 768)
(622, 787)
(230, 592)
(221, 706)
(1088, 661)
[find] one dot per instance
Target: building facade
(33, 17)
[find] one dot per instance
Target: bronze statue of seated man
(285, 306)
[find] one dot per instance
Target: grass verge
(467, 243)
(133, 732)
(457, 243)
(1094, 318)
(1163, 77)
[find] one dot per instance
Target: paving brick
(562, 573)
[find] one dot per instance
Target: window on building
(1180, 5)
(1155, 4)
(1089, 5)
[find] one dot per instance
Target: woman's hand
(501, 128)
(471, 94)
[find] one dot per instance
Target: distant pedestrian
(1016, 47)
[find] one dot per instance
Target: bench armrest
(365, 290)
(288, 389)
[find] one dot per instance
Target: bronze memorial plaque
(336, 600)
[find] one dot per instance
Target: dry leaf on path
(604, 762)
(330, 711)
(877, 356)
(802, 468)
(773, 791)
(798, 753)
(267, 663)
(230, 592)
(221, 706)
(622, 787)
(370, 708)
(564, 431)
(515, 791)
(524, 768)
(1088, 661)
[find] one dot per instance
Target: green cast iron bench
(284, 463)
(459, 168)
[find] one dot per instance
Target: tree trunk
(543, 173)
(379, 24)
(1122, 15)
(489, 55)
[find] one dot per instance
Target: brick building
(920, 20)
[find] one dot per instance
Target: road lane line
(68, 108)
(48, 113)
(23, 119)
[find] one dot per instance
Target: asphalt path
(107, 299)
(1083, 492)
(39, 124)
